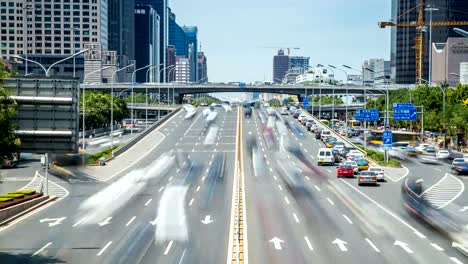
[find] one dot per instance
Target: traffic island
(14, 212)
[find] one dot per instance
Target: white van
(325, 133)
(325, 155)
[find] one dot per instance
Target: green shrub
(25, 192)
(12, 195)
(103, 154)
(5, 199)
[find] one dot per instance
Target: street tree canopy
(8, 141)
(98, 109)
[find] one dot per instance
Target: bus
(356, 124)
(374, 137)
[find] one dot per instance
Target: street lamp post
(461, 32)
(75, 29)
(333, 89)
(347, 96)
(112, 102)
(159, 91)
(25, 34)
(46, 71)
(84, 90)
(133, 84)
(430, 8)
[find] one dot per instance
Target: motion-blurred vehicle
(336, 155)
(367, 177)
(453, 155)
(451, 225)
(422, 147)
(203, 104)
(296, 114)
(442, 154)
(248, 111)
(309, 124)
(301, 119)
(325, 156)
(330, 142)
(379, 172)
(344, 171)
(461, 169)
(412, 152)
(346, 150)
(339, 146)
(284, 111)
(354, 154)
(324, 134)
(318, 133)
(430, 150)
(362, 164)
(459, 161)
(352, 164)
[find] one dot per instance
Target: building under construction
(404, 38)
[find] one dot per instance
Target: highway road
(329, 221)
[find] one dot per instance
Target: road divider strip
(237, 246)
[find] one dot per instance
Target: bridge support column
(178, 98)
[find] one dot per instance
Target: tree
(98, 109)
(208, 100)
(8, 140)
(274, 103)
(139, 98)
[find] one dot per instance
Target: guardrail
(336, 135)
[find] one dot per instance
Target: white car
(300, 118)
(284, 111)
(421, 147)
(352, 164)
(442, 154)
(354, 154)
(339, 148)
(379, 172)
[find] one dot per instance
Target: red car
(345, 171)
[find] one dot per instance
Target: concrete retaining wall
(19, 209)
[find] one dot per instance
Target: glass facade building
(192, 39)
(177, 38)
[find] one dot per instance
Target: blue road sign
(387, 139)
(306, 102)
(404, 112)
(367, 115)
(285, 101)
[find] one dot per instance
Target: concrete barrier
(60, 172)
(11, 213)
(143, 134)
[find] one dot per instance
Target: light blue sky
(329, 32)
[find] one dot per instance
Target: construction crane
(419, 38)
(283, 48)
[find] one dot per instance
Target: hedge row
(380, 159)
(103, 154)
(15, 195)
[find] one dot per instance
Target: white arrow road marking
(154, 222)
(207, 220)
(277, 243)
(55, 221)
(372, 245)
(455, 260)
(106, 221)
(308, 243)
(404, 246)
(104, 248)
(463, 209)
(42, 248)
(341, 244)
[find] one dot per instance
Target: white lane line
(178, 170)
(419, 235)
(307, 177)
(148, 202)
(316, 187)
(130, 221)
(372, 245)
(330, 201)
(42, 248)
(455, 260)
(347, 219)
(281, 188)
(298, 169)
(312, 156)
(271, 169)
(188, 157)
(79, 222)
(198, 188)
(191, 202)
(274, 176)
(104, 248)
(268, 163)
(160, 189)
(439, 170)
(203, 178)
(306, 151)
(329, 171)
(309, 245)
(170, 179)
(207, 170)
(168, 248)
(295, 218)
(434, 245)
(286, 199)
(381, 207)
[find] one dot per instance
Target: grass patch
(12, 195)
(103, 154)
(379, 158)
(6, 199)
(26, 192)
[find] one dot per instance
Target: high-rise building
(192, 39)
(182, 70)
(147, 49)
(403, 38)
(47, 32)
(447, 58)
(171, 63)
(121, 28)
(202, 68)
(299, 63)
(163, 11)
(177, 37)
(280, 66)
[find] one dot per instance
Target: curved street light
(133, 84)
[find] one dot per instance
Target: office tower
(47, 32)
(299, 63)
(121, 28)
(177, 37)
(192, 39)
(147, 49)
(171, 63)
(163, 11)
(202, 68)
(182, 70)
(403, 56)
(280, 66)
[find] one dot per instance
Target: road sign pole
(422, 123)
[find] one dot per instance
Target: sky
(233, 33)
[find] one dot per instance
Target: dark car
(346, 150)
(309, 124)
(454, 155)
(248, 111)
(461, 169)
(336, 155)
(317, 134)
